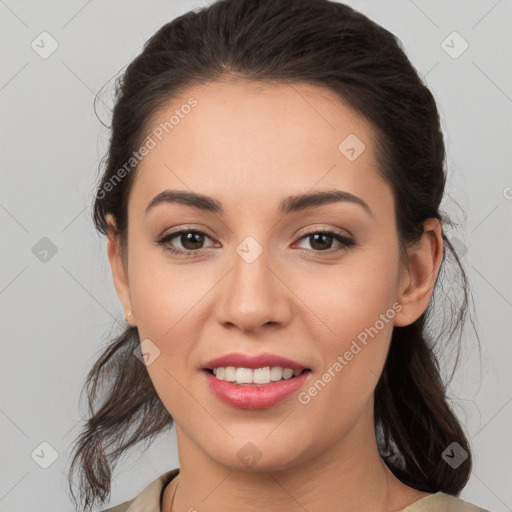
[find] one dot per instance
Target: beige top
(150, 498)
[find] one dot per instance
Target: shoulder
(441, 502)
(122, 507)
(149, 498)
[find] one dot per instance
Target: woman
(271, 200)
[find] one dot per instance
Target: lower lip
(257, 396)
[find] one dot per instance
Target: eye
(321, 241)
(190, 239)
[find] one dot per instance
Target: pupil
(315, 241)
(195, 239)
(320, 240)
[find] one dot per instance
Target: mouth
(255, 376)
(248, 388)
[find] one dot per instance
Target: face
(318, 283)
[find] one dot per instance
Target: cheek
(165, 295)
(359, 311)
(350, 298)
(355, 305)
(167, 308)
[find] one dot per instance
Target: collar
(150, 498)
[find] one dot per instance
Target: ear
(119, 272)
(418, 280)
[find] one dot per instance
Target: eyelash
(345, 241)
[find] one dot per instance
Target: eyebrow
(290, 204)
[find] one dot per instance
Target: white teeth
(261, 375)
(276, 373)
(257, 376)
(287, 373)
(230, 373)
(243, 375)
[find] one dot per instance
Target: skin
(249, 146)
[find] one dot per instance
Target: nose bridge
(252, 295)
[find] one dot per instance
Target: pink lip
(254, 396)
(260, 361)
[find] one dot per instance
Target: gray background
(58, 314)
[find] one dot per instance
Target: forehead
(262, 140)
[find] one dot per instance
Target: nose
(253, 296)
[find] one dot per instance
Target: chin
(259, 453)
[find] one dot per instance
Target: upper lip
(259, 361)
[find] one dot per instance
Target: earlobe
(119, 274)
(418, 280)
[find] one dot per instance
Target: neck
(348, 476)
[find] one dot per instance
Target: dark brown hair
(333, 46)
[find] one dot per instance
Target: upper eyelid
(300, 236)
(187, 229)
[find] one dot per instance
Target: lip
(260, 361)
(257, 396)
